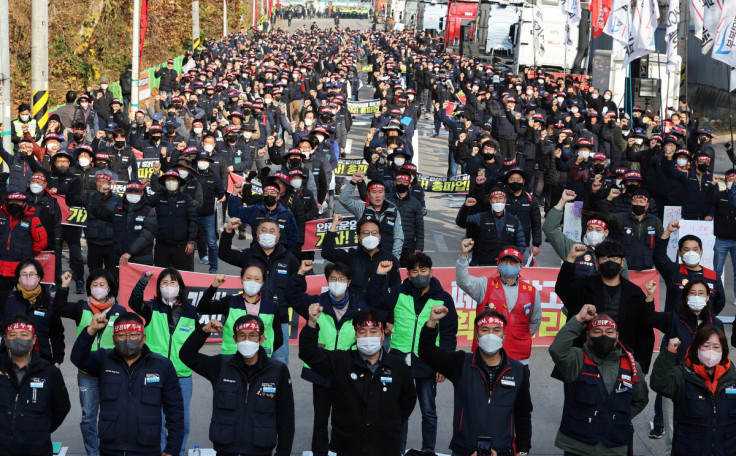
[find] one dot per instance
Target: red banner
(74, 215)
(144, 27)
(599, 12)
(315, 231)
(542, 278)
(48, 263)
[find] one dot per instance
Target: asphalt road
(442, 243)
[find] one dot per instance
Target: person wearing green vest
(102, 288)
(411, 303)
(250, 301)
(23, 124)
(170, 320)
(336, 333)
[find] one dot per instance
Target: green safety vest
(19, 128)
(229, 346)
(160, 341)
(330, 338)
(104, 338)
(408, 325)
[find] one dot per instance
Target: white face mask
(84, 105)
(183, 173)
(248, 135)
(490, 344)
(368, 346)
(197, 130)
(682, 162)
(729, 185)
(99, 293)
(169, 292)
(370, 242)
(498, 207)
(594, 96)
(320, 138)
(267, 241)
(618, 182)
(585, 154)
(696, 303)
(593, 238)
(208, 148)
(574, 110)
(24, 117)
(639, 141)
(308, 122)
(133, 198)
(606, 97)
(337, 289)
(36, 188)
(709, 358)
(84, 162)
(296, 183)
(172, 186)
(399, 161)
(51, 146)
(251, 287)
(529, 92)
(560, 100)
(411, 97)
(268, 100)
(248, 348)
(691, 258)
(103, 86)
(518, 88)
(203, 165)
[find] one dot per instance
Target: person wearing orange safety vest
(517, 300)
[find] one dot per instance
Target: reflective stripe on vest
(330, 338)
(519, 343)
(19, 127)
(228, 342)
(160, 341)
(408, 325)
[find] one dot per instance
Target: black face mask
(325, 119)
(156, 138)
(631, 188)
(609, 269)
(702, 167)
(246, 112)
(567, 141)
(602, 345)
(402, 188)
(295, 162)
(14, 209)
(598, 168)
(177, 106)
(78, 136)
(269, 200)
(488, 157)
(101, 165)
(140, 121)
(638, 210)
(119, 144)
(62, 169)
(611, 123)
(171, 131)
(515, 186)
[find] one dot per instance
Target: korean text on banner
(315, 231)
(74, 215)
(542, 278)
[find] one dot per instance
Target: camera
(483, 446)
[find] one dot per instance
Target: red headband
(368, 324)
(128, 327)
(403, 177)
(40, 177)
(106, 177)
(489, 321)
(376, 186)
(644, 197)
(133, 186)
(597, 222)
(498, 193)
(249, 325)
(601, 322)
(271, 187)
(21, 326)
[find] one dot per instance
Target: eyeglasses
(369, 233)
(28, 276)
(137, 336)
(338, 279)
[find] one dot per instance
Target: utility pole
(40, 61)
(195, 25)
(5, 68)
(224, 18)
(134, 95)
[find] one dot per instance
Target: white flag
(696, 16)
(643, 26)
(538, 30)
(724, 45)
(618, 22)
(571, 10)
(712, 10)
(672, 36)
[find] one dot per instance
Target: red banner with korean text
(71, 215)
(542, 278)
(315, 231)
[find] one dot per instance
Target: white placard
(572, 224)
(703, 230)
(672, 213)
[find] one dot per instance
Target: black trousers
(73, 235)
(173, 256)
(322, 406)
(97, 255)
(508, 148)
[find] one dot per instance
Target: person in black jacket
(487, 372)
(372, 393)
(253, 401)
(100, 233)
(363, 259)
(167, 81)
(136, 385)
(126, 87)
(49, 213)
(524, 206)
(623, 300)
(177, 224)
(411, 212)
(213, 191)
(33, 397)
